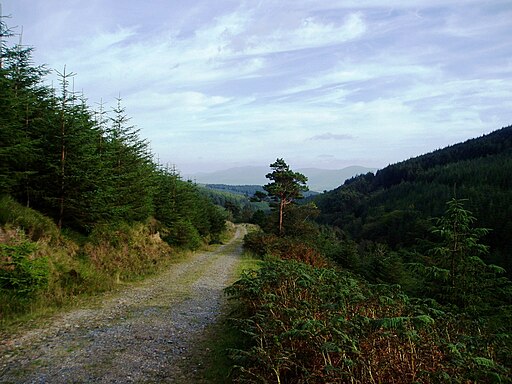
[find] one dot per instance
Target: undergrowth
(35, 225)
(322, 325)
(288, 248)
(43, 269)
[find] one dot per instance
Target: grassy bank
(43, 269)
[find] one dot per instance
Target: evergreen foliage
(235, 199)
(285, 187)
(20, 274)
(245, 190)
(454, 272)
(84, 168)
(190, 214)
(394, 206)
(82, 203)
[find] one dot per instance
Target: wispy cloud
(332, 136)
(364, 81)
(305, 33)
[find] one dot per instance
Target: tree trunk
(281, 209)
(62, 173)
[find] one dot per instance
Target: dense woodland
(236, 200)
(395, 206)
(82, 202)
(83, 167)
(396, 277)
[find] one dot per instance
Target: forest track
(148, 333)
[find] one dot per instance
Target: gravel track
(149, 333)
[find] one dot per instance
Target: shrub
(183, 234)
(286, 248)
(320, 325)
(260, 242)
(125, 251)
(21, 273)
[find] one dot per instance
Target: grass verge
(222, 337)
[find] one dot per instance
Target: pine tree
(286, 186)
(21, 95)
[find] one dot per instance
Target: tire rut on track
(150, 333)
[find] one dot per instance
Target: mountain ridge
(319, 179)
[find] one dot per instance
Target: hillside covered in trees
(395, 205)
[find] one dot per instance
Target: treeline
(336, 303)
(83, 167)
(245, 190)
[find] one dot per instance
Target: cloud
(267, 30)
(477, 24)
(332, 136)
(390, 4)
(310, 33)
(177, 102)
(247, 80)
(103, 41)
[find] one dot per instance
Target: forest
(83, 204)
(395, 206)
(402, 276)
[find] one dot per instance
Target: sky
(327, 84)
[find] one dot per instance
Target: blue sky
(328, 84)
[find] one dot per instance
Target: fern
(423, 320)
(334, 327)
(484, 362)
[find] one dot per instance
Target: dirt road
(149, 333)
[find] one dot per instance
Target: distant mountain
(251, 175)
(319, 180)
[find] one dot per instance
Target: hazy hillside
(250, 175)
(319, 180)
(243, 190)
(327, 179)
